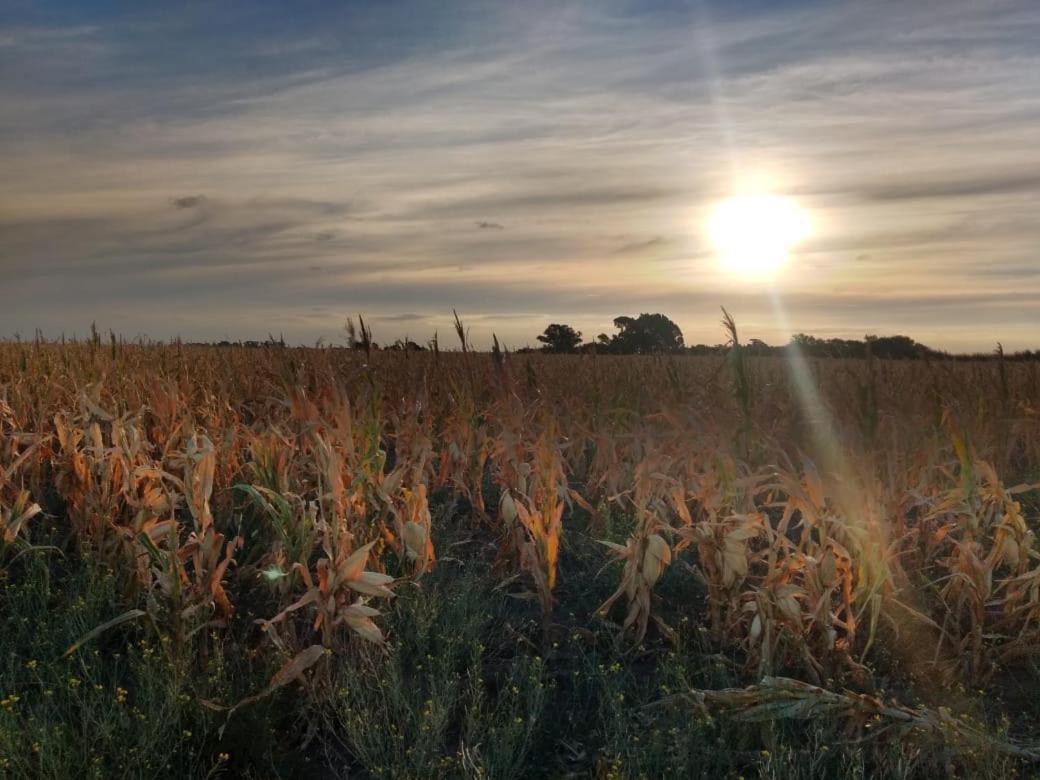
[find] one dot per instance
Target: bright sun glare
(754, 233)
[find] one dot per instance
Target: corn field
(817, 521)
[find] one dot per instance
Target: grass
(120, 706)
(114, 709)
(440, 699)
(463, 689)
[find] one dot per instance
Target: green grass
(110, 710)
(118, 707)
(440, 699)
(468, 686)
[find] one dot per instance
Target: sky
(234, 169)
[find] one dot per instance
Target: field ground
(278, 562)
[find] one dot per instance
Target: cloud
(189, 201)
(524, 199)
(636, 247)
(227, 236)
(982, 184)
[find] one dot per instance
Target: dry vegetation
(404, 564)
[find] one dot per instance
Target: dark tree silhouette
(646, 333)
(889, 347)
(560, 338)
(654, 333)
(406, 345)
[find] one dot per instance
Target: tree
(899, 347)
(646, 333)
(406, 345)
(560, 338)
(758, 347)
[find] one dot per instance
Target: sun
(755, 233)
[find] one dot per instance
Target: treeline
(657, 334)
(645, 334)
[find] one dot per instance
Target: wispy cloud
(189, 201)
(982, 184)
